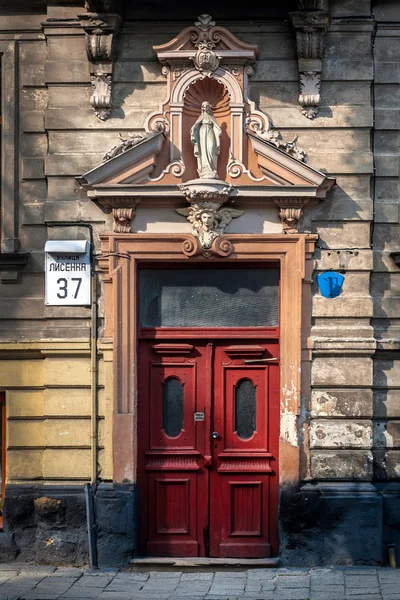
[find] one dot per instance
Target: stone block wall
(350, 420)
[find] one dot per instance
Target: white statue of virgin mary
(205, 135)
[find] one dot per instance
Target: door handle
(258, 360)
(215, 435)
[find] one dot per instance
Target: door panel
(173, 479)
(245, 417)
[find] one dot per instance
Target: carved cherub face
(207, 220)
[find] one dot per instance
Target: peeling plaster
(289, 429)
(289, 420)
(326, 404)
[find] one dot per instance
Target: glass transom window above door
(212, 297)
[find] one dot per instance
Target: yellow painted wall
(48, 412)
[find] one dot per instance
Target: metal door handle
(215, 435)
(259, 360)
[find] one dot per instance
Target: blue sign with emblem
(330, 284)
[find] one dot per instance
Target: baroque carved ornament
(311, 23)
(207, 141)
(101, 30)
(208, 221)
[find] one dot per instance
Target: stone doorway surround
(121, 254)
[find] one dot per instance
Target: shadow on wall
(386, 413)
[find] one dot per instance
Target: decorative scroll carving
(311, 23)
(125, 144)
(123, 216)
(101, 36)
(290, 210)
(101, 95)
(191, 247)
(310, 83)
(273, 136)
(208, 220)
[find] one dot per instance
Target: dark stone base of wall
(339, 524)
(48, 525)
(115, 525)
(321, 524)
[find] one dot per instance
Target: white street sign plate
(68, 278)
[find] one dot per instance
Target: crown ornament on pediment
(204, 23)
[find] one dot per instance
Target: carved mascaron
(208, 220)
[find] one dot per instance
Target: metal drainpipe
(93, 383)
(90, 489)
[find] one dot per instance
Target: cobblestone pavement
(29, 582)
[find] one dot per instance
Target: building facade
(230, 386)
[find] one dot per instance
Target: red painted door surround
(208, 431)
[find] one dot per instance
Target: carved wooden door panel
(244, 476)
(174, 411)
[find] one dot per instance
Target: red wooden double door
(208, 441)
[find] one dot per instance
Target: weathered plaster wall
(48, 410)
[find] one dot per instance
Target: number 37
(63, 287)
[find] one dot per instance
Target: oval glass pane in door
(245, 409)
(172, 406)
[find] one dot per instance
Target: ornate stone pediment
(207, 69)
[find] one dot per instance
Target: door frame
(121, 254)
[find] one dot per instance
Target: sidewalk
(26, 582)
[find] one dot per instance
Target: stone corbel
(101, 36)
(123, 210)
(311, 23)
(290, 210)
(123, 219)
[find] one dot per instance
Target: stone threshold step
(205, 562)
